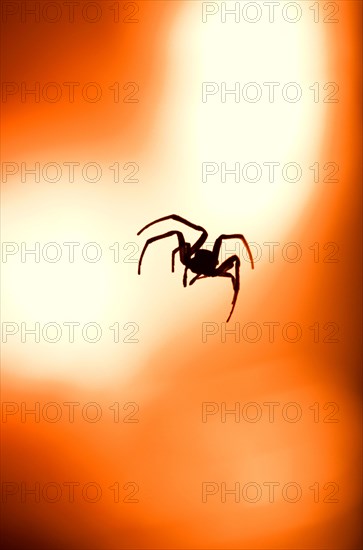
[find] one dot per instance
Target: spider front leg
(182, 258)
(181, 247)
(173, 259)
(218, 244)
(177, 218)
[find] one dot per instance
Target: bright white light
(245, 132)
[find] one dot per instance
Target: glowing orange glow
(172, 361)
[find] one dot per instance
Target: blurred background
(117, 133)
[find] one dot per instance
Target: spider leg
(173, 259)
(196, 278)
(221, 271)
(182, 245)
(235, 293)
(177, 218)
(185, 277)
(218, 243)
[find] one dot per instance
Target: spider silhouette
(200, 261)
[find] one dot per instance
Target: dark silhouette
(200, 261)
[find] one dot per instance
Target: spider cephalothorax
(204, 263)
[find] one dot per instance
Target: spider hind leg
(222, 272)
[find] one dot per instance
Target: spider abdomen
(203, 263)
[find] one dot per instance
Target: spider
(200, 261)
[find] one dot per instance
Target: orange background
(170, 372)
